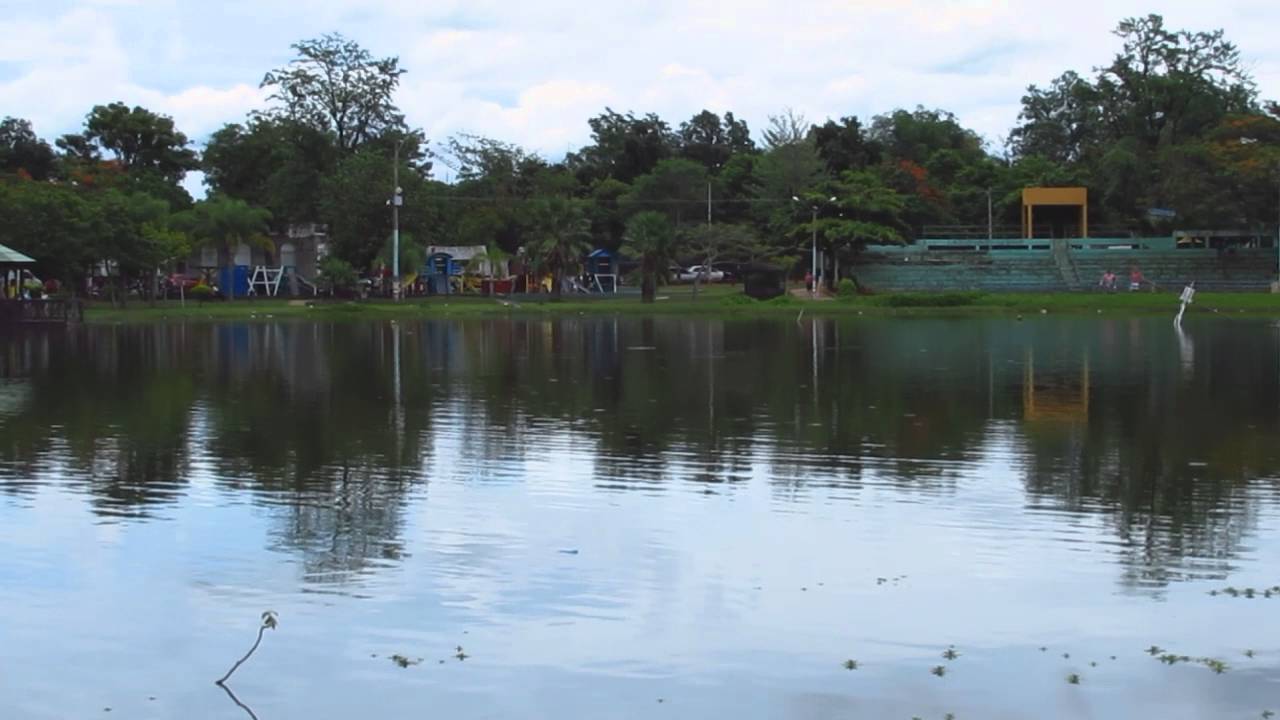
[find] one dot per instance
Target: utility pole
(708, 203)
(396, 201)
(813, 223)
(990, 221)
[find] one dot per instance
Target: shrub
(200, 292)
(737, 299)
(337, 276)
(847, 289)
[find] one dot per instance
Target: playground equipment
(602, 272)
(266, 281)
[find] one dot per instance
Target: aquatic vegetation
(1248, 593)
(950, 653)
(850, 664)
(1217, 666)
(939, 670)
(1249, 653)
(403, 661)
(269, 622)
(1154, 650)
(1214, 664)
(1073, 679)
(1267, 715)
(461, 654)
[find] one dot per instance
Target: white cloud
(533, 73)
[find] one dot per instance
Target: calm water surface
(630, 518)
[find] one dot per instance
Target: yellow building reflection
(1056, 397)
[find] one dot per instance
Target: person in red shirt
(1135, 279)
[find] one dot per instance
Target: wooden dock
(40, 312)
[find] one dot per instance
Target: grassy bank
(719, 301)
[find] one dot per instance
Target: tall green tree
(623, 147)
(336, 86)
(276, 163)
(710, 141)
(138, 139)
(844, 145)
(560, 237)
(23, 152)
(676, 187)
(650, 239)
(50, 223)
(354, 203)
(225, 223)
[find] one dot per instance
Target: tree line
(1174, 121)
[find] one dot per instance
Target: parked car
(700, 271)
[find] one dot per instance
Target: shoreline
(717, 302)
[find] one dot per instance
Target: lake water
(642, 518)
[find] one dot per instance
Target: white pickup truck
(700, 271)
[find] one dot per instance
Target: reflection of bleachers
(915, 268)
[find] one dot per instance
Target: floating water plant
(1217, 666)
(1073, 679)
(939, 670)
(461, 655)
(269, 622)
(1249, 653)
(950, 653)
(1154, 650)
(403, 661)
(850, 664)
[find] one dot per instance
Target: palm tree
(227, 223)
(650, 239)
(492, 257)
(413, 256)
(561, 235)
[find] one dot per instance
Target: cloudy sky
(533, 72)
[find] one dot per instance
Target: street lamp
(397, 199)
(813, 247)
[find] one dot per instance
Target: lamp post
(990, 220)
(397, 199)
(813, 243)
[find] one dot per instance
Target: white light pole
(813, 244)
(397, 199)
(990, 220)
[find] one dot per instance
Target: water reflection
(331, 426)
(607, 511)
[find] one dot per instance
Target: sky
(533, 73)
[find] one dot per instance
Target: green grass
(716, 301)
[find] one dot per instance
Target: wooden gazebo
(12, 263)
(14, 307)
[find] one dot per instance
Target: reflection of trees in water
(1165, 456)
(347, 524)
(1115, 425)
(108, 408)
